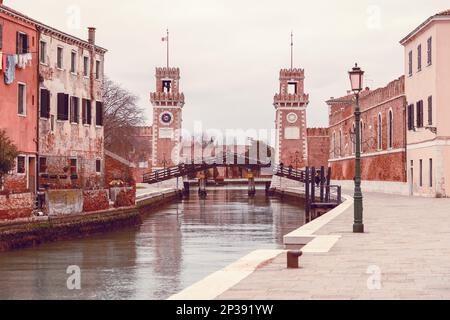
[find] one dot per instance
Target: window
(97, 70)
(380, 133)
(99, 113)
(340, 143)
(45, 103)
(42, 165)
(21, 43)
(167, 84)
(22, 99)
(333, 145)
(98, 166)
(59, 57)
(419, 57)
(86, 66)
(430, 110)
(420, 114)
(86, 112)
(431, 173)
(410, 63)
(292, 87)
(74, 109)
(411, 117)
(429, 51)
(43, 52)
(390, 129)
(21, 164)
(63, 107)
(73, 167)
(421, 172)
(73, 62)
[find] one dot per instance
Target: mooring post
(307, 198)
(202, 185)
(186, 188)
(327, 189)
(322, 183)
(251, 185)
(268, 184)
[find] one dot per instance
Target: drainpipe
(38, 102)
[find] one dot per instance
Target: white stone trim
(440, 141)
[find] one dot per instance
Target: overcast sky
(230, 51)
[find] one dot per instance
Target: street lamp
(356, 80)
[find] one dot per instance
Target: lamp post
(356, 80)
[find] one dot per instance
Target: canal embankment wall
(18, 234)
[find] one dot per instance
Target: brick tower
(167, 103)
(290, 105)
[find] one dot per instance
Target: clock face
(166, 118)
(292, 117)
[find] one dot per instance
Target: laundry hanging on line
(10, 68)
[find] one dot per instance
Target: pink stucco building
(427, 78)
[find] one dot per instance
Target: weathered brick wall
(388, 167)
(117, 170)
(318, 147)
(386, 163)
(14, 206)
(95, 200)
(15, 183)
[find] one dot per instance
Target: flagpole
(167, 48)
(292, 49)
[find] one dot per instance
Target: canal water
(176, 246)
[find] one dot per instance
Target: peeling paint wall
(62, 202)
(65, 139)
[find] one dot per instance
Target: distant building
(383, 147)
(427, 79)
(141, 155)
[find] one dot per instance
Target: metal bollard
(293, 258)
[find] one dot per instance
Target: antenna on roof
(292, 50)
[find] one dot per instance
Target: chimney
(91, 37)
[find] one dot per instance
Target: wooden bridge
(319, 193)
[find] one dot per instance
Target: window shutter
(25, 44)
(430, 110)
(88, 112)
(17, 42)
(60, 107)
(99, 114)
(66, 107)
(45, 103)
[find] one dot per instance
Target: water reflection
(174, 247)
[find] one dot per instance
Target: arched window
(380, 132)
(390, 129)
(333, 145)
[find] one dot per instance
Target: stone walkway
(406, 247)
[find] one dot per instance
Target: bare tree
(122, 116)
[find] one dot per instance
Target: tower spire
(292, 50)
